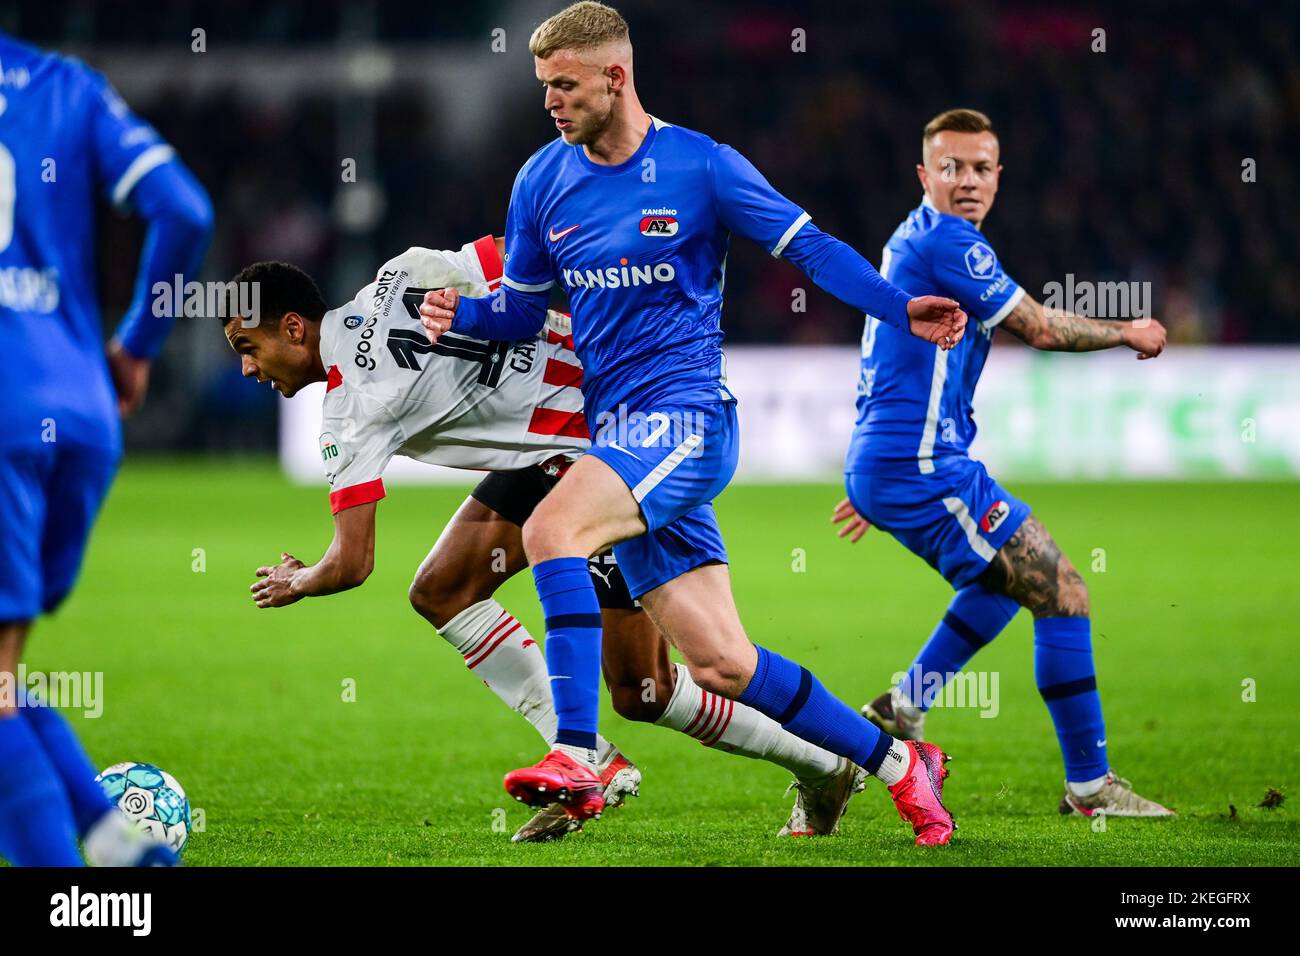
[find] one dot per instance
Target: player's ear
(295, 327)
(924, 176)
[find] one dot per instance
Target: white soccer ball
(152, 798)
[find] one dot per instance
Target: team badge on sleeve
(981, 263)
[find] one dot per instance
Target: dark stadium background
(1125, 164)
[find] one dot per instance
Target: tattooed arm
(1059, 331)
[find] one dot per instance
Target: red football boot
(558, 778)
(919, 795)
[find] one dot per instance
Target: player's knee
(438, 602)
(1070, 596)
(723, 676)
(643, 701)
(426, 604)
(1073, 598)
(542, 539)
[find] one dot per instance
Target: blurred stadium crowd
(1125, 164)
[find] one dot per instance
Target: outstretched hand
(276, 587)
(938, 320)
(857, 526)
(437, 311)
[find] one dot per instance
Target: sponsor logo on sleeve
(994, 517)
(353, 321)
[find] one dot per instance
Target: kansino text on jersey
(619, 277)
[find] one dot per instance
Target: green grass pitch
(246, 707)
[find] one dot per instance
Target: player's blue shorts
(676, 460)
(956, 517)
(49, 496)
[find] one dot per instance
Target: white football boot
(821, 803)
(1115, 799)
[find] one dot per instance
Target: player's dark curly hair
(282, 287)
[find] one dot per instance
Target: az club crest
(658, 225)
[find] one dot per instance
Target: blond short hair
(956, 121)
(580, 26)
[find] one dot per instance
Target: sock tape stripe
(963, 630)
(1069, 688)
(800, 697)
(573, 620)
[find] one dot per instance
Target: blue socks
(975, 616)
(1067, 680)
(796, 700)
(573, 634)
(77, 773)
(36, 822)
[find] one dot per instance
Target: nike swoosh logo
(617, 447)
(557, 236)
(1101, 743)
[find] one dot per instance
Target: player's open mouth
(563, 124)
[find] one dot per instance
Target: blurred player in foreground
(633, 216)
(909, 469)
(66, 137)
(514, 410)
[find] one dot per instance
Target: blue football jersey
(914, 399)
(640, 249)
(65, 137)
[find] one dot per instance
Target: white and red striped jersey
(463, 402)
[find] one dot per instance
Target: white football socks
(896, 763)
(583, 755)
(113, 840)
(1086, 788)
(501, 653)
(736, 728)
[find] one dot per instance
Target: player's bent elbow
(199, 216)
(354, 575)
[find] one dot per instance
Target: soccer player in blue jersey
(909, 469)
(632, 216)
(65, 139)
